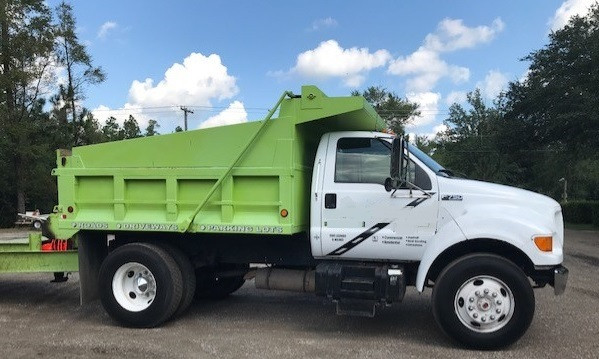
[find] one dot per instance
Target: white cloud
(425, 68)
(323, 23)
(101, 111)
(568, 9)
(197, 81)
(455, 97)
(452, 35)
(439, 128)
(428, 106)
(331, 60)
(105, 28)
(494, 83)
(233, 114)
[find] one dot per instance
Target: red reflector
(284, 213)
(57, 245)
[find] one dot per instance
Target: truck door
(360, 220)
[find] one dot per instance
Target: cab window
(367, 160)
(362, 160)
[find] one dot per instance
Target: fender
(505, 223)
(449, 233)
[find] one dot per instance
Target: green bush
(581, 212)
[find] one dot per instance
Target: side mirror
(397, 172)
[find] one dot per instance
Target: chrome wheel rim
(134, 286)
(484, 304)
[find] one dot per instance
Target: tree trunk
(71, 92)
(20, 183)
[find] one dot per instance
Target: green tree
(556, 110)
(26, 43)
(131, 128)
(73, 56)
(470, 143)
(178, 129)
(425, 144)
(90, 131)
(396, 112)
(152, 127)
(112, 131)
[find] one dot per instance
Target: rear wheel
(483, 301)
(188, 275)
(218, 283)
(140, 285)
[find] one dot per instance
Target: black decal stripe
(416, 202)
(359, 239)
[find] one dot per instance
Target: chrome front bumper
(560, 278)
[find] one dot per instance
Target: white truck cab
(475, 243)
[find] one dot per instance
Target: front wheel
(483, 301)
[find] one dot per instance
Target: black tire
(506, 282)
(211, 286)
(187, 273)
(160, 268)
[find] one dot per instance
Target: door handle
(330, 200)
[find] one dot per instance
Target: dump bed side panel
(156, 183)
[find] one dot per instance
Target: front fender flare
(512, 227)
(447, 236)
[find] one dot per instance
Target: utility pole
(565, 195)
(185, 111)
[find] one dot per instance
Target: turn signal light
(544, 243)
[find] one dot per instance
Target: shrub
(581, 212)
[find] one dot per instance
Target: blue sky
(230, 60)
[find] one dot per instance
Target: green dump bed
(241, 178)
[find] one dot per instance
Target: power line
(174, 107)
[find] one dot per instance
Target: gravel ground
(39, 319)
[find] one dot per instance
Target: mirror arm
(418, 188)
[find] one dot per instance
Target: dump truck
(314, 198)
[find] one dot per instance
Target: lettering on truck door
(360, 220)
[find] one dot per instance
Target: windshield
(424, 158)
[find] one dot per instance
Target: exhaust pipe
(286, 279)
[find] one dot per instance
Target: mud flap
(92, 249)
